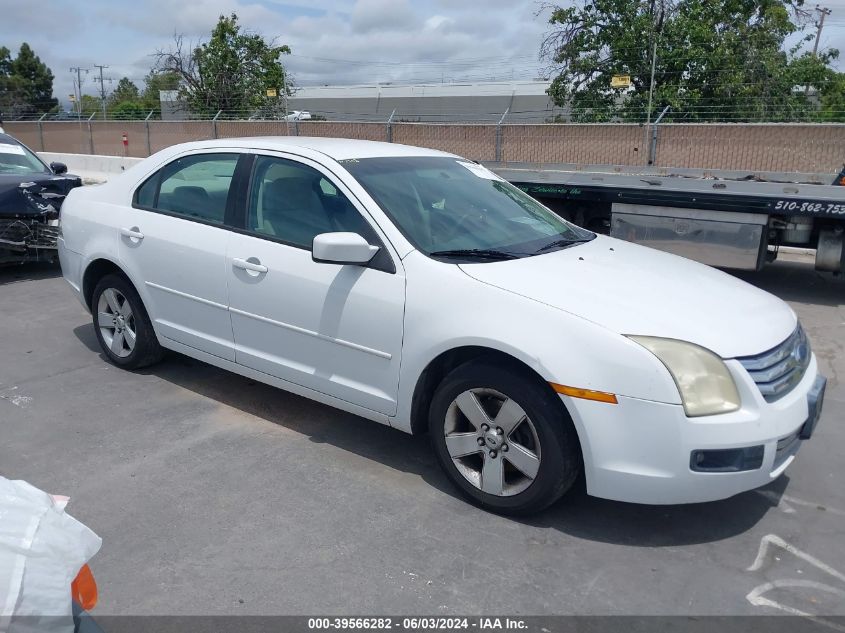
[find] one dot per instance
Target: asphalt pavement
(215, 494)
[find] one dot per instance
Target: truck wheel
(502, 439)
(122, 325)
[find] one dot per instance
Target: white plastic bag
(41, 551)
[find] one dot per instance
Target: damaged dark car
(31, 195)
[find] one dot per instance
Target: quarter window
(195, 187)
(146, 194)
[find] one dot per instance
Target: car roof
(9, 140)
(336, 148)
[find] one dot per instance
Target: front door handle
(134, 233)
(252, 264)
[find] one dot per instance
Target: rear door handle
(246, 264)
(132, 233)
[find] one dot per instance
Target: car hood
(631, 289)
(24, 195)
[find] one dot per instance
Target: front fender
(449, 309)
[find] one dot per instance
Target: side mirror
(342, 248)
(58, 168)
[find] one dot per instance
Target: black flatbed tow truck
(725, 219)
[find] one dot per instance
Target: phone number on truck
(829, 208)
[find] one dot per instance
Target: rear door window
(195, 187)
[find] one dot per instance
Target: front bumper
(640, 451)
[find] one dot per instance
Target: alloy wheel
(492, 442)
(116, 322)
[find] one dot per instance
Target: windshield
(16, 159)
(450, 207)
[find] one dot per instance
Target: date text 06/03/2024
(417, 623)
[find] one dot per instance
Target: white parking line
(757, 595)
(785, 502)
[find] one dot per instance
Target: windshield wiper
(479, 253)
(569, 242)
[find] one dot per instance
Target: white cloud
(370, 16)
(440, 22)
(333, 41)
(195, 19)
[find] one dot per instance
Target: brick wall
(108, 138)
(235, 129)
(66, 136)
(477, 142)
(166, 133)
(26, 133)
(810, 148)
(337, 129)
(780, 148)
(574, 143)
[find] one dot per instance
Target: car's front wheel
(503, 439)
(122, 325)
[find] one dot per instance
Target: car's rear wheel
(122, 325)
(503, 439)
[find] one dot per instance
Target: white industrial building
(525, 101)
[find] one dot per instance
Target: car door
(336, 329)
(174, 239)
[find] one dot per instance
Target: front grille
(20, 234)
(44, 236)
(14, 233)
(777, 371)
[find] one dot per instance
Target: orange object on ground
(83, 589)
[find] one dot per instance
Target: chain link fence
(754, 147)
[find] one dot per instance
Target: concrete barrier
(92, 168)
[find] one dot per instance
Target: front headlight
(704, 382)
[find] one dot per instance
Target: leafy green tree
(91, 105)
(833, 98)
(5, 61)
(230, 72)
(714, 61)
(154, 83)
(125, 91)
(128, 110)
(26, 83)
(37, 77)
(11, 87)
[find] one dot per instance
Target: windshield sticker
(5, 148)
(479, 170)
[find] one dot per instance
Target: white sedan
(417, 289)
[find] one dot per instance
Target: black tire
(146, 349)
(560, 454)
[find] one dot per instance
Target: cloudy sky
(333, 41)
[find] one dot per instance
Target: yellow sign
(72, 98)
(620, 81)
(271, 92)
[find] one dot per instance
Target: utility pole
(78, 87)
(103, 88)
(658, 15)
(823, 12)
(285, 90)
